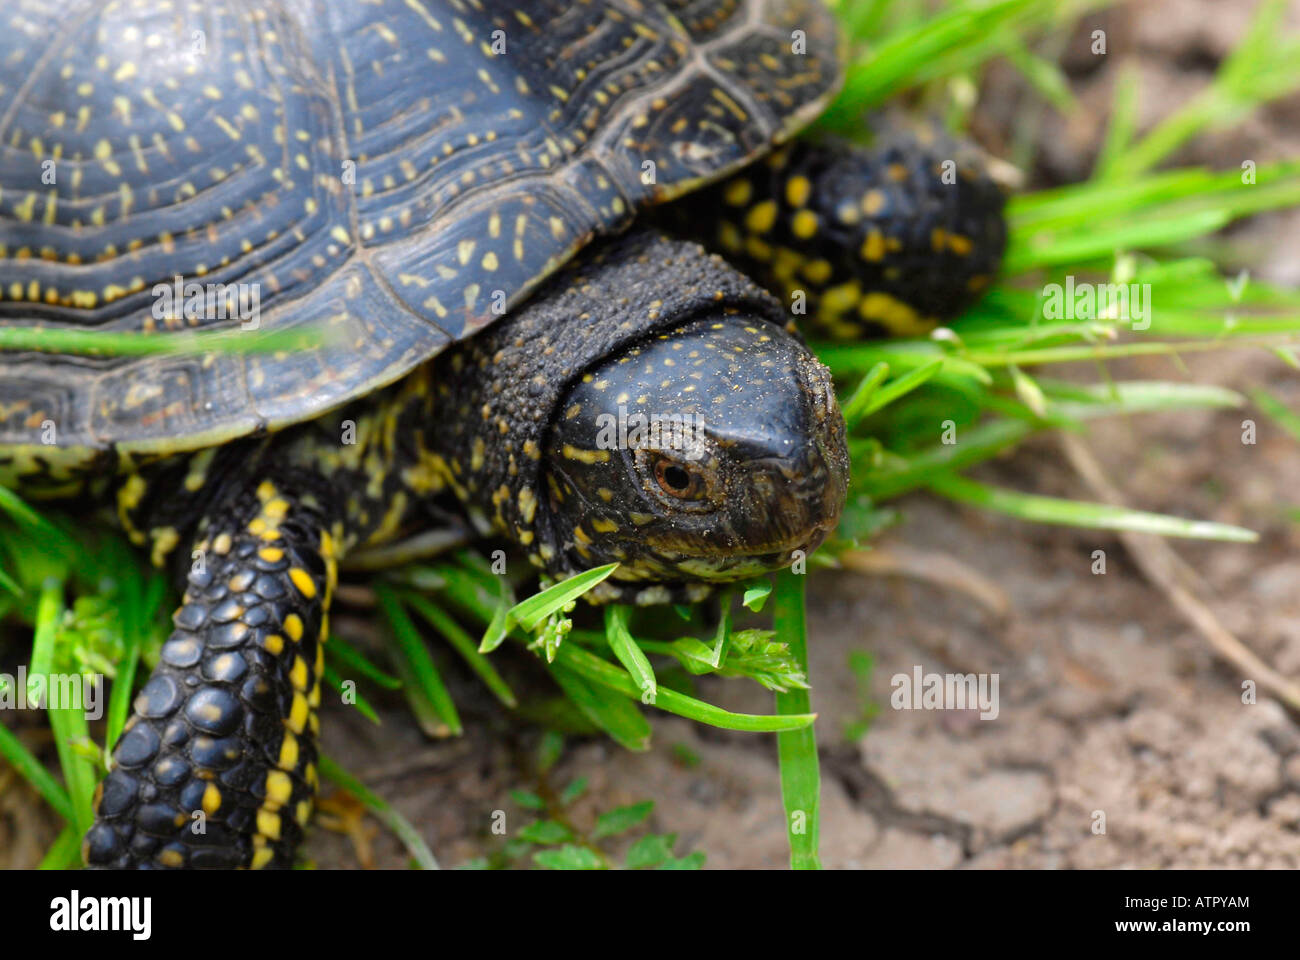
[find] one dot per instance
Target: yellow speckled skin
(217, 765)
(888, 240)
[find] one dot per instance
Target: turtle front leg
(217, 765)
(888, 240)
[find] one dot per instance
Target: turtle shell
(384, 178)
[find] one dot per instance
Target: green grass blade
(899, 60)
(389, 817)
(70, 728)
(606, 674)
(855, 407)
(1047, 78)
(64, 853)
(530, 613)
(1265, 65)
(1075, 513)
(1275, 408)
(1123, 123)
(348, 656)
(901, 387)
(97, 343)
(34, 772)
(17, 508)
(756, 595)
(455, 635)
(422, 683)
(797, 749)
(977, 444)
(69, 725)
(629, 654)
(498, 627)
(333, 680)
(614, 714)
(1047, 249)
(119, 698)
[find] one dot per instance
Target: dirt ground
(1109, 701)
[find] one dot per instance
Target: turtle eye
(677, 480)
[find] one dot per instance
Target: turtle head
(713, 452)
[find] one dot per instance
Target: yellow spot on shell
(761, 217)
(737, 193)
(804, 224)
(797, 190)
(293, 627)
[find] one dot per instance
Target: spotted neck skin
(514, 416)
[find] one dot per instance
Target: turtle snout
(823, 471)
(796, 497)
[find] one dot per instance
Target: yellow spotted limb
(889, 240)
(217, 765)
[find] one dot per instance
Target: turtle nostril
(821, 392)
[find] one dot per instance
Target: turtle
(533, 267)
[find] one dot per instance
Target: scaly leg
(217, 766)
(887, 240)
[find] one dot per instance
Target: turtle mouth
(735, 564)
(778, 551)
